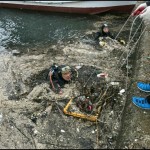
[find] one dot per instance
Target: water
(24, 29)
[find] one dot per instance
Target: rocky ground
(31, 115)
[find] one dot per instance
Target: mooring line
(127, 46)
(128, 70)
(132, 27)
(122, 27)
(134, 46)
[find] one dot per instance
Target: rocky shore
(31, 114)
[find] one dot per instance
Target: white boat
(82, 7)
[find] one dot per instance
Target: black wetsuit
(103, 34)
(57, 78)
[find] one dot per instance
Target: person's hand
(139, 9)
(60, 91)
(145, 15)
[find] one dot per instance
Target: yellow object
(122, 42)
(79, 115)
(102, 43)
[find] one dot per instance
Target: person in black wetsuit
(59, 76)
(106, 33)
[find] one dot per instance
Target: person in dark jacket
(59, 76)
(106, 33)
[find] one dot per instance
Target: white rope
(122, 27)
(89, 77)
(134, 46)
(128, 43)
(127, 74)
(132, 27)
(134, 33)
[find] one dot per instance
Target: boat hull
(59, 8)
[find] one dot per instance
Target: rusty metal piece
(79, 115)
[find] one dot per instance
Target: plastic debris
(35, 132)
(102, 75)
(15, 52)
(62, 131)
(78, 67)
(93, 131)
(121, 91)
(114, 83)
(128, 66)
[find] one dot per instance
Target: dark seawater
(25, 29)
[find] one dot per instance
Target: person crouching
(59, 76)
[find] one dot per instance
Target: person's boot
(143, 86)
(141, 102)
